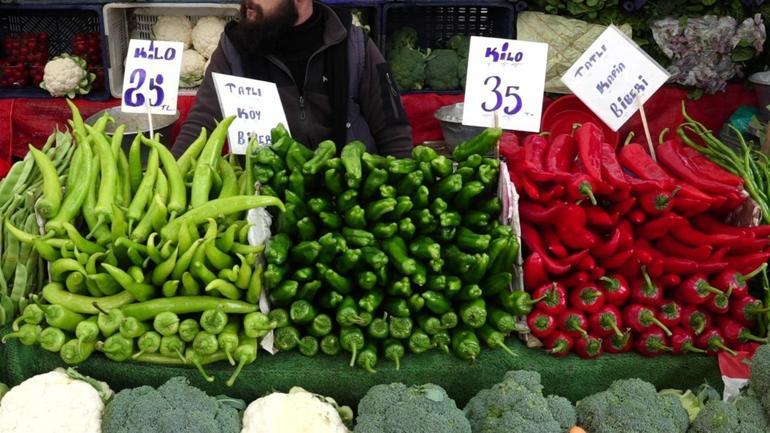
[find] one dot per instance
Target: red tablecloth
(24, 121)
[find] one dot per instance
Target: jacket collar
(334, 30)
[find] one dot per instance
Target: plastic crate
(437, 21)
(61, 22)
(126, 20)
(372, 10)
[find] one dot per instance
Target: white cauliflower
(173, 28)
(206, 35)
(298, 411)
(67, 75)
(52, 402)
(193, 69)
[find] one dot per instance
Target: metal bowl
(450, 118)
(136, 123)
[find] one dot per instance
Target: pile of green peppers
(377, 256)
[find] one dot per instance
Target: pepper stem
(689, 347)
(614, 325)
(654, 320)
(612, 283)
(755, 272)
(716, 343)
(559, 347)
(703, 285)
(354, 351)
(748, 336)
(230, 357)
(629, 137)
(507, 350)
(397, 361)
(585, 189)
(662, 134)
(237, 372)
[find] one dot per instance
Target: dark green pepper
(437, 283)
(322, 325)
(348, 260)
(436, 265)
(517, 302)
(416, 303)
(402, 287)
(402, 166)
(297, 156)
(492, 162)
(263, 174)
(473, 161)
(308, 345)
(469, 293)
(449, 219)
(442, 166)
(429, 324)
(458, 261)
(439, 206)
(449, 186)
(306, 229)
(302, 312)
(333, 180)
(393, 351)
(384, 230)
(303, 274)
(428, 177)
(324, 152)
(335, 163)
(374, 257)
(374, 162)
(296, 183)
(273, 275)
(422, 218)
(309, 290)
(347, 200)
(465, 344)
(450, 320)
(267, 157)
(330, 220)
(419, 342)
(421, 198)
(409, 184)
(474, 313)
(424, 153)
(373, 182)
(286, 338)
(378, 329)
(470, 190)
(287, 220)
(403, 206)
(279, 137)
(476, 220)
(306, 252)
(420, 276)
(328, 248)
(356, 237)
(279, 316)
(330, 345)
(502, 320)
(352, 340)
(425, 248)
(366, 280)
(482, 144)
(284, 293)
(504, 259)
(400, 327)
(371, 301)
(478, 269)
(488, 175)
(351, 158)
(441, 340)
(395, 248)
(318, 205)
(388, 191)
(465, 173)
(436, 302)
(397, 307)
(291, 197)
(333, 279)
(453, 286)
(472, 242)
(378, 209)
(355, 217)
(406, 228)
(277, 249)
(496, 283)
(330, 300)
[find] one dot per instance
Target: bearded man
(333, 81)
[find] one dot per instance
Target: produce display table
(571, 377)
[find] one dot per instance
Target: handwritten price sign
(152, 76)
(505, 83)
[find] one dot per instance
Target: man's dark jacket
(327, 105)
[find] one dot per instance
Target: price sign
(505, 83)
(614, 76)
(256, 106)
(152, 76)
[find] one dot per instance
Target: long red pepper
(660, 226)
(688, 267)
(572, 227)
(587, 263)
(607, 247)
(657, 202)
(619, 259)
(676, 164)
(683, 341)
(549, 196)
(623, 207)
(616, 289)
(597, 273)
(537, 214)
(703, 165)
(626, 234)
(637, 216)
(535, 274)
(532, 240)
(561, 155)
(748, 246)
(590, 138)
(745, 264)
(576, 278)
(612, 172)
(687, 234)
(597, 217)
(509, 147)
(669, 281)
(579, 187)
(689, 207)
(710, 225)
(535, 149)
(553, 243)
(669, 246)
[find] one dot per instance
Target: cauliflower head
(298, 411)
(67, 75)
(206, 35)
(173, 28)
(193, 69)
(52, 402)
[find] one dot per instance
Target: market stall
(574, 273)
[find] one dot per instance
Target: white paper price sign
(505, 84)
(610, 76)
(152, 76)
(256, 106)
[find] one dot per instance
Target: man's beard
(263, 34)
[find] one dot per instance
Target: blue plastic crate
(61, 22)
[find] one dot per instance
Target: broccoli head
(461, 44)
(396, 408)
(632, 406)
(408, 68)
(517, 405)
(716, 417)
(403, 37)
(760, 376)
(441, 70)
(462, 70)
(751, 415)
(175, 407)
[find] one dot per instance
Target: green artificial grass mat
(570, 377)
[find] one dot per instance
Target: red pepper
(589, 348)
(645, 291)
(656, 268)
(671, 159)
(537, 214)
(682, 341)
(689, 207)
(745, 264)
(687, 234)
(694, 319)
(587, 263)
(555, 193)
(559, 344)
(635, 158)
(590, 138)
(616, 289)
(719, 255)
(577, 278)
(553, 243)
(637, 216)
(688, 267)
(532, 240)
(660, 226)
(643, 252)
(535, 274)
(588, 299)
(711, 225)
(528, 187)
(670, 314)
(574, 323)
(713, 342)
(572, 228)
(642, 186)
(607, 247)
(669, 281)
(606, 322)
(735, 281)
(554, 299)
(619, 259)
(612, 172)
(623, 207)
(696, 290)
(541, 325)
(669, 246)
(657, 202)
(597, 273)
(535, 149)
(598, 217)
(735, 333)
(641, 318)
(615, 344)
(626, 234)
(719, 304)
(746, 309)
(700, 164)
(762, 231)
(561, 154)
(509, 146)
(580, 187)
(652, 342)
(748, 246)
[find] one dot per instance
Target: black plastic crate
(62, 22)
(372, 11)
